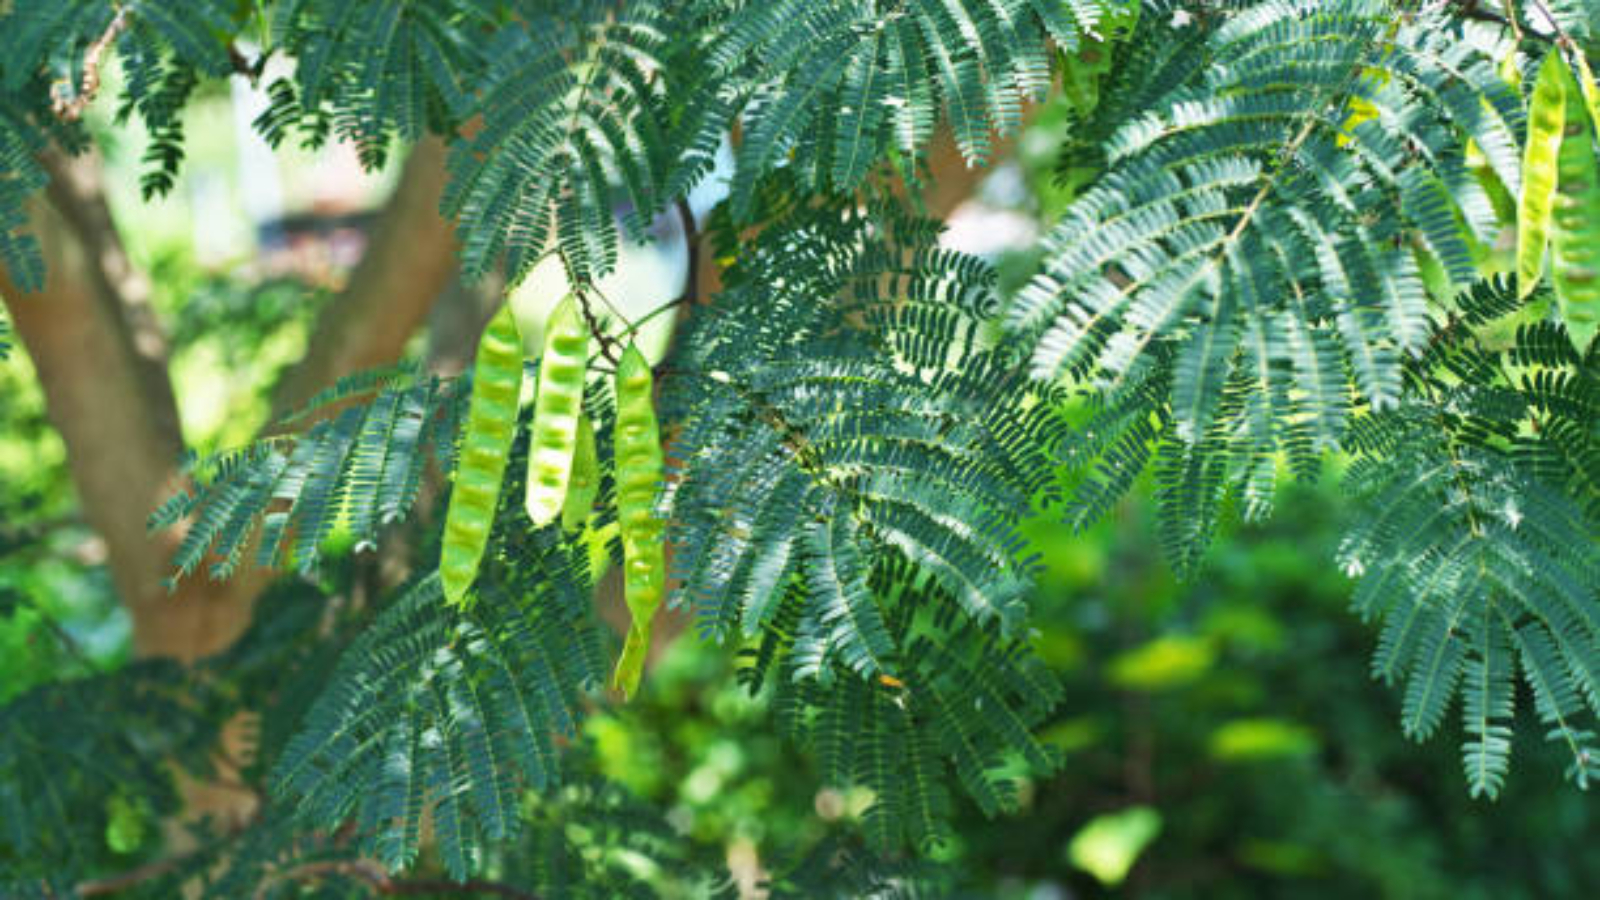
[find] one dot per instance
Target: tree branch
(409, 261)
(101, 361)
(1473, 10)
(70, 109)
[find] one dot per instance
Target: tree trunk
(409, 261)
(101, 358)
(101, 363)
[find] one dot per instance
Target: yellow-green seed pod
(481, 461)
(1575, 222)
(584, 485)
(637, 442)
(1588, 88)
(1546, 119)
(556, 411)
(630, 665)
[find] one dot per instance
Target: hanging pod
(481, 460)
(584, 485)
(1546, 119)
(637, 441)
(1575, 221)
(556, 411)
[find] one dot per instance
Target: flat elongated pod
(556, 411)
(639, 471)
(1575, 222)
(481, 461)
(1546, 119)
(584, 485)
(1589, 89)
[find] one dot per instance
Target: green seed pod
(584, 485)
(556, 411)
(481, 462)
(1588, 88)
(1546, 119)
(639, 473)
(1575, 223)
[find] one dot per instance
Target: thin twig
(1511, 17)
(595, 286)
(70, 109)
(608, 344)
(1562, 38)
(243, 66)
(1473, 10)
(634, 327)
(691, 238)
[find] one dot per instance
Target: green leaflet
(584, 485)
(639, 471)
(1546, 119)
(481, 464)
(556, 411)
(1575, 223)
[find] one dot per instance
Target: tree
(1281, 245)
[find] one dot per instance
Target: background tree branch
(102, 360)
(409, 261)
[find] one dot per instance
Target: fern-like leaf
(1475, 543)
(438, 711)
(572, 108)
(1243, 220)
(818, 390)
(373, 72)
(829, 88)
(357, 471)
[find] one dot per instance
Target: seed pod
(1588, 88)
(1546, 119)
(1575, 223)
(639, 471)
(481, 461)
(556, 411)
(584, 485)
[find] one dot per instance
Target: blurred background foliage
(1223, 737)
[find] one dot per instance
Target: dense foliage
(1284, 242)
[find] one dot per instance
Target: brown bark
(408, 262)
(101, 357)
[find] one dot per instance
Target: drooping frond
(71, 747)
(371, 72)
(830, 87)
(20, 177)
(1475, 544)
(449, 713)
(594, 839)
(572, 122)
(5, 336)
(1253, 241)
(353, 473)
(164, 46)
(53, 35)
(845, 490)
(836, 405)
(966, 700)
